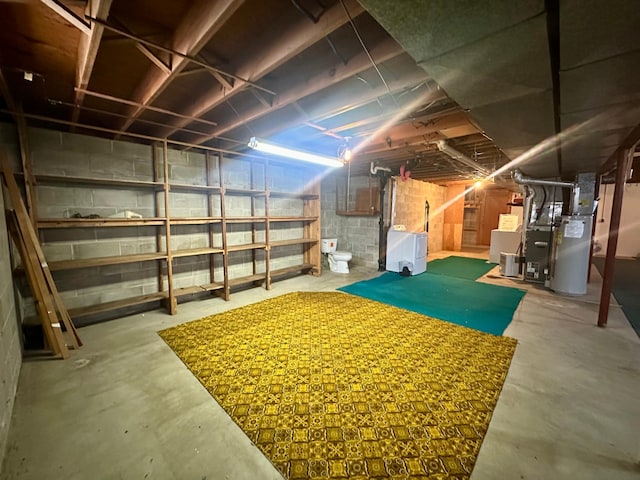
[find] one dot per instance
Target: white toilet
(338, 261)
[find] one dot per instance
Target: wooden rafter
(88, 50)
(197, 27)
(69, 15)
(265, 60)
(337, 73)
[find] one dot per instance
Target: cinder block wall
(67, 154)
(410, 209)
(10, 349)
(360, 235)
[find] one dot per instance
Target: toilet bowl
(338, 260)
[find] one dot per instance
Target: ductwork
(522, 180)
(445, 148)
(575, 189)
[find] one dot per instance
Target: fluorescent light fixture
(267, 147)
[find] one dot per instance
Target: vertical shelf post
(267, 229)
(172, 306)
(225, 254)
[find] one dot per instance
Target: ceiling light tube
(267, 147)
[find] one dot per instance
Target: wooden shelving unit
(216, 224)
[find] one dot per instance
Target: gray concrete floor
(125, 407)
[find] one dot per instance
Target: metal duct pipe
(575, 190)
(445, 148)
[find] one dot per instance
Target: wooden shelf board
(296, 241)
(198, 288)
(98, 181)
(293, 219)
(241, 191)
(292, 269)
(195, 220)
(248, 279)
(195, 251)
(301, 196)
(104, 261)
(249, 246)
(245, 219)
(99, 222)
(116, 304)
(194, 188)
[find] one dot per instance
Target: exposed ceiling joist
(88, 50)
(266, 59)
(197, 27)
(340, 71)
(69, 15)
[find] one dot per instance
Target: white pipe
(392, 218)
(374, 170)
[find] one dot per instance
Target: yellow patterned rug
(330, 385)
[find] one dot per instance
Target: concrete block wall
(66, 154)
(360, 234)
(409, 208)
(10, 348)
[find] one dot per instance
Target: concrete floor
(125, 407)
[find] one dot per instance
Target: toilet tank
(328, 245)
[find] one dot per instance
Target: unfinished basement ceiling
(320, 74)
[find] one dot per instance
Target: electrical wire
(366, 50)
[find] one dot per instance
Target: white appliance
(508, 265)
(406, 250)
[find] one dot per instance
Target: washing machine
(406, 251)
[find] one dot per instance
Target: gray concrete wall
(359, 234)
(10, 348)
(74, 155)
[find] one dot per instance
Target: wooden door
(495, 203)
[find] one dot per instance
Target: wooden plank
(104, 261)
(34, 260)
(173, 305)
(98, 181)
(245, 219)
(117, 304)
(248, 246)
(98, 222)
(199, 288)
(295, 241)
(33, 246)
(234, 282)
(293, 219)
(196, 220)
(12, 224)
(225, 257)
(191, 252)
(292, 269)
(194, 188)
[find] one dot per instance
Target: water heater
(570, 255)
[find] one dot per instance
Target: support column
(622, 168)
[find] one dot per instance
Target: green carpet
(460, 267)
(484, 307)
(330, 386)
(626, 287)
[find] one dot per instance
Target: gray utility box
(536, 255)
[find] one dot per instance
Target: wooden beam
(157, 61)
(338, 72)
(88, 51)
(271, 56)
(68, 15)
(195, 30)
(622, 170)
